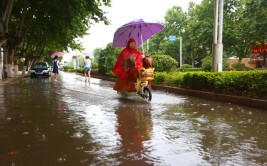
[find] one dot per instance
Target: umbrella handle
(143, 54)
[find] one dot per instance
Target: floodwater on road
(74, 123)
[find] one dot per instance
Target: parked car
(40, 69)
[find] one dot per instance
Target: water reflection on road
(71, 122)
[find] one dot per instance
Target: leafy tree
(107, 59)
(97, 54)
(5, 12)
(251, 16)
(174, 25)
(39, 27)
(198, 31)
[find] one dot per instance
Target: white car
(40, 69)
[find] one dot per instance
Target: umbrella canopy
(57, 54)
(137, 29)
(90, 54)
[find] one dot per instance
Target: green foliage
(159, 77)
(197, 28)
(207, 63)
(174, 78)
(192, 69)
(195, 80)
(239, 65)
(46, 26)
(186, 66)
(164, 63)
(241, 83)
(21, 63)
(251, 83)
(97, 54)
(246, 83)
(107, 59)
(174, 21)
(80, 70)
(67, 68)
(94, 65)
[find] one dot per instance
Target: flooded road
(72, 123)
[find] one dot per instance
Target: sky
(124, 11)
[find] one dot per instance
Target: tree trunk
(4, 62)
(6, 14)
(264, 61)
(5, 18)
(15, 65)
(1, 63)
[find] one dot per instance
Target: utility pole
(217, 51)
(1, 62)
(181, 51)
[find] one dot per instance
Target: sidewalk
(19, 75)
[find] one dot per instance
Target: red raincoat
(126, 68)
(118, 68)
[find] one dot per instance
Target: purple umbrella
(90, 54)
(137, 29)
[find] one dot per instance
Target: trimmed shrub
(186, 66)
(66, 68)
(175, 78)
(159, 77)
(246, 83)
(196, 80)
(172, 78)
(207, 63)
(164, 63)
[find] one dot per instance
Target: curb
(256, 103)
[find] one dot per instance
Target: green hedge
(243, 83)
(163, 63)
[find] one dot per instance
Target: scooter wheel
(147, 94)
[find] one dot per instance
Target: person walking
(55, 68)
(87, 69)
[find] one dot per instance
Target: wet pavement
(74, 123)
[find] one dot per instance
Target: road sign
(172, 38)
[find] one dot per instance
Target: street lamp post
(217, 51)
(1, 62)
(181, 52)
(1, 49)
(173, 38)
